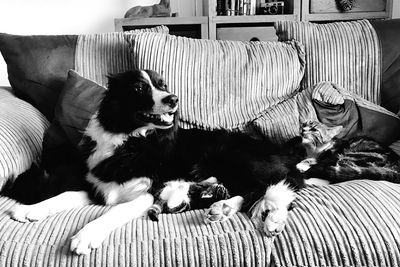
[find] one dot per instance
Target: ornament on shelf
(346, 5)
(163, 9)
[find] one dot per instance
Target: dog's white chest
(105, 142)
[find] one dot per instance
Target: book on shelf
(236, 7)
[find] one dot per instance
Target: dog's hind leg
(94, 233)
(40, 211)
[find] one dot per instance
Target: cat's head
(315, 134)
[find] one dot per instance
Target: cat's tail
(339, 174)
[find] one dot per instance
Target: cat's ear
(332, 132)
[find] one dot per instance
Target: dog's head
(137, 99)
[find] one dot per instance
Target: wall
(76, 16)
(396, 8)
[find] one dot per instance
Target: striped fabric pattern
(396, 147)
(21, 133)
(98, 55)
(282, 122)
(221, 84)
(346, 53)
(349, 224)
(176, 240)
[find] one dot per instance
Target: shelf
(252, 19)
(346, 16)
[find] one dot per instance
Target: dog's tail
(26, 187)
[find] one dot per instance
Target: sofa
(342, 73)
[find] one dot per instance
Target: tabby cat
(338, 160)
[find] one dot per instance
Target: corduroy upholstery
(346, 53)
(21, 133)
(352, 224)
(221, 84)
(349, 224)
(176, 240)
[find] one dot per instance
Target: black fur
(244, 165)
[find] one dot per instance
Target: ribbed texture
(282, 122)
(176, 240)
(347, 53)
(350, 224)
(396, 147)
(98, 55)
(221, 84)
(21, 133)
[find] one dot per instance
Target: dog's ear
(113, 81)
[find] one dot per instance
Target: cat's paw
(32, 213)
(215, 192)
(175, 195)
(223, 210)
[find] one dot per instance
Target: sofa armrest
(21, 134)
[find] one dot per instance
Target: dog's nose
(171, 100)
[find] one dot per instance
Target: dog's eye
(162, 85)
(264, 215)
(139, 87)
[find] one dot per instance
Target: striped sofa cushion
(282, 122)
(348, 224)
(221, 84)
(98, 55)
(21, 131)
(346, 53)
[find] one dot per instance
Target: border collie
(133, 151)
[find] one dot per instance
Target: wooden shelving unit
(260, 27)
(333, 14)
(247, 27)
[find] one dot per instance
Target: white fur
(276, 200)
(105, 142)
(115, 193)
(40, 211)
(94, 233)
(158, 96)
(175, 193)
(316, 181)
(222, 210)
(306, 164)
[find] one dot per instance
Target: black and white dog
(134, 151)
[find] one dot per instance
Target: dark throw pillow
(37, 66)
(389, 35)
(359, 117)
(78, 101)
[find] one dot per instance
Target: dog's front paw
(32, 213)
(223, 210)
(88, 238)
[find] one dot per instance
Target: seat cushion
(175, 240)
(349, 224)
